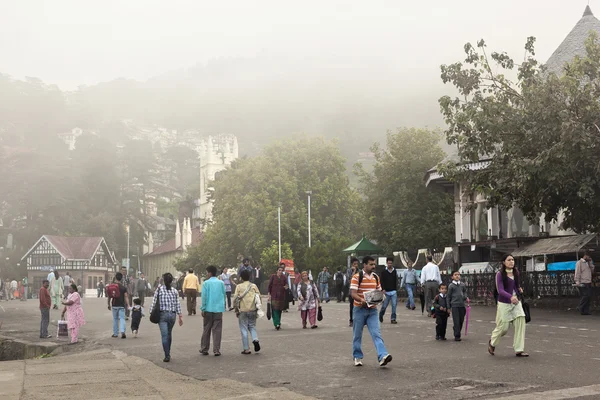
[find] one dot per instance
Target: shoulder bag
(155, 314)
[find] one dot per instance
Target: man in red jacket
(45, 304)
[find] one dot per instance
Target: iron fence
(552, 287)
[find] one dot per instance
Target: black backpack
(339, 277)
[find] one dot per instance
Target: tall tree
(539, 132)
(246, 197)
(403, 213)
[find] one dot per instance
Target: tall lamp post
(309, 192)
(279, 229)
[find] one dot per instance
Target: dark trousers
(136, 318)
(351, 308)
(213, 322)
(431, 290)
(228, 299)
(441, 323)
(45, 321)
(458, 317)
(191, 295)
(347, 294)
(586, 296)
(339, 291)
(142, 295)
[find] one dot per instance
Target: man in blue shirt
(213, 307)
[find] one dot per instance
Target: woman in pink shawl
(74, 312)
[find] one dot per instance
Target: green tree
(539, 132)
(403, 213)
(269, 257)
(246, 197)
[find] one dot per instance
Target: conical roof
(363, 246)
(574, 43)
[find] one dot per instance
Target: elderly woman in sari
(75, 318)
(277, 286)
(308, 295)
(56, 289)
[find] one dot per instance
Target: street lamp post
(309, 192)
(279, 229)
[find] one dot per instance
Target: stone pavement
(564, 347)
(113, 375)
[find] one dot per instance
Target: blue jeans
(324, 288)
(389, 297)
(247, 323)
(166, 323)
(118, 320)
(366, 316)
(410, 289)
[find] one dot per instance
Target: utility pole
(309, 193)
(279, 229)
(127, 247)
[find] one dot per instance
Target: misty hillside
(245, 97)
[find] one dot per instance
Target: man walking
(190, 289)
(213, 307)
(323, 280)
(339, 279)
(430, 281)
(126, 281)
(45, 305)
(583, 279)
(365, 314)
(118, 299)
(410, 279)
(66, 283)
(389, 283)
(246, 266)
(140, 287)
(25, 287)
(100, 288)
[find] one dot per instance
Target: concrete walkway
(106, 374)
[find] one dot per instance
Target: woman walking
(308, 295)
(510, 308)
(75, 317)
(56, 289)
(245, 296)
(168, 303)
(277, 287)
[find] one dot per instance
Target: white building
(216, 153)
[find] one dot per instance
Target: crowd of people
(369, 294)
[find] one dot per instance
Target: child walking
(137, 312)
(440, 304)
(457, 295)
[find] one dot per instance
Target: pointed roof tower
(574, 43)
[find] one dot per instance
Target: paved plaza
(564, 348)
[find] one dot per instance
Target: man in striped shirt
(364, 314)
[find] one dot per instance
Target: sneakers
(256, 346)
(135, 333)
(385, 360)
(358, 362)
(393, 321)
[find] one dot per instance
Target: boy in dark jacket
(440, 304)
(457, 295)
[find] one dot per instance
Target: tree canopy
(246, 197)
(403, 213)
(539, 131)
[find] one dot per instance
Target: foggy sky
(74, 42)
